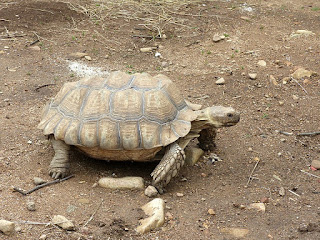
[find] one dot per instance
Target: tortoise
(128, 117)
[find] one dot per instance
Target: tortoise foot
(58, 172)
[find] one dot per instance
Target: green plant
(315, 9)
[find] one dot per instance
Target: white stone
(193, 154)
(301, 73)
(62, 222)
(260, 207)
(38, 181)
(7, 227)
(155, 211)
(220, 81)
(253, 76)
(262, 63)
(151, 191)
(122, 183)
(148, 49)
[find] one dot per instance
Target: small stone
(62, 222)
(273, 80)
(155, 211)
(193, 154)
(94, 185)
(282, 191)
(17, 229)
(88, 58)
(257, 206)
(235, 232)
(169, 216)
(220, 81)
(217, 38)
(264, 200)
(157, 54)
(151, 191)
(31, 205)
(262, 63)
(253, 76)
(84, 200)
(285, 80)
(122, 183)
(38, 181)
(35, 48)
(295, 97)
(6, 227)
(29, 142)
(43, 237)
(315, 164)
(283, 139)
(147, 49)
(302, 73)
(77, 55)
(180, 195)
(211, 211)
(281, 103)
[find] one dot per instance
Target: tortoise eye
(230, 115)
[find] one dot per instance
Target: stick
(294, 193)
(300, 85)
(250, 177)
(91, 217)
(42, 86)
(308, 134)
(286, 133)
(42, 185)
(310, 174)
(32, 223)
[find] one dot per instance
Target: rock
(281, 103)
(253, 76)
(151, 191)
(220, 81)
(147, 49)
(77, 55)
(211, 211)
(180, 194)
(282, 191)
(285, 80)
(300, 33)
(301, 73)
(122, 183)
(193, 154)
(315, 164)
(84, 200)
(157, 54)
(35, 48)
(264, 200)
(262, 63)
(6, 227)
(295, 97)
(273, 80)
(88, 58)
(62, 222)
(257, 206)
(217, 37)
(31, 205)
(38, 181)
(236, 232)
(43, 237)
(155, 211)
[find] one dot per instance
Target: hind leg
(59, 166)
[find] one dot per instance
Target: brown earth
(110, 33)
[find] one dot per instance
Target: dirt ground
(36, 40)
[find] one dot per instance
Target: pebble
(31, 205)
(38, 181)
(193, 154)
(122, 183)
(211, 211)
(262, 63)
(235, 232)
(315, 164)
(253, 76)
(282, 191)
(84, 200)
(264, 200)
(295, 97)
(217, 37)
(43, 237)
(180, 195)
(35, 48)
(88, 58)
(261, 207)
(273, 80)
(62, 222)
(6, 227)
(147, 49)
(220, 81)
(281, 103)
(77, 55)
(155, 211)
(301, 73)
(151, 191)
(285, 80)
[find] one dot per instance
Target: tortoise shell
(120, 112)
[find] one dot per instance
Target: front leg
(59, 166)
(168, 167)
(207, 139)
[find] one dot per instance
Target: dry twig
(91, 217)
(254, 168)
(308, 134)
(310, 174)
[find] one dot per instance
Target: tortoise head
(219, 116)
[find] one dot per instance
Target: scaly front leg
(59, 166)
(168, 167)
